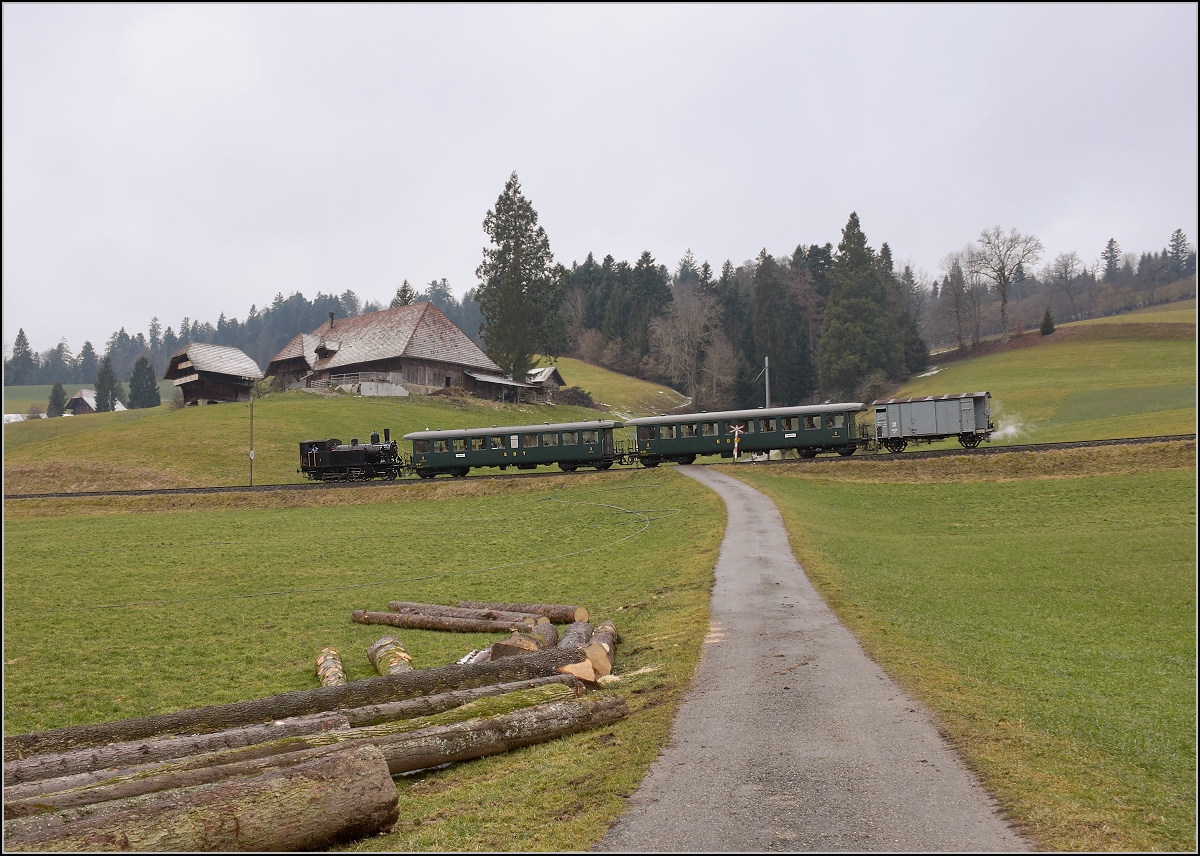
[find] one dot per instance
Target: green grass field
(18, 399)
(626, 397)
(146, 605)
(1106, 381)
(1050, 622)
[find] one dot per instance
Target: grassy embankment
(1131, 376)
(119, 608)
(625, 397)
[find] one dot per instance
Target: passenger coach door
(606, 440)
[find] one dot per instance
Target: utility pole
(251, 439)
(767, 376)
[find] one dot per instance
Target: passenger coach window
(421, 446)
(498, 443)
(709, 429)
(687, 430)
(812, 422)
(790, 422)
(839, 420)
(549, 439)
(529, 441)
(478, 444)
(770, 424)
(459, 445)
(645, 432)
(666, 432)
(570, 438)
(441, 446)
(592, 436)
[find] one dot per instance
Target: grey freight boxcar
(900, 421)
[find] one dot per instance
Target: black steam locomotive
(333, 460)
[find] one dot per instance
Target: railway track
(829, 460)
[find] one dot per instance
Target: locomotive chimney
(387, 435)
(330, 320)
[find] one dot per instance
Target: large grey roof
(949, 397)
(218, 359)
(419, 330)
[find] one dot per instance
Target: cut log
(518, 643)
(165, 748)
(433, 622)
(546, 632)
(368, 691)
(601, 651)
(429, 705)
(104, 785)
(388, 656)
(479, 655)
(329, 668)
(329, 800)
(476, 738)
(577, 634)
(584, 671)
(557, 612)
(433, 609)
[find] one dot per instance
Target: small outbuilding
(208, 374)
(84, 401)
(547, 379)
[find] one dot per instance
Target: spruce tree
(106, 386)
(857, 336)
(143, 387)
(1047, 323)
(21, 368)
(405, 295)
(1112, 259)
(520, 291)
(58, 400)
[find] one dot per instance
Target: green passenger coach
(808, 429)
(570, 445)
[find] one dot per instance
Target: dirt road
(792, 738)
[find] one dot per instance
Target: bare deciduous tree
(677, 339)
(1066, 273)
(719, 371)
(999, 254)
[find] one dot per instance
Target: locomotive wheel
(845, 451)
(808, 453)
(895, 444)
(969, 441)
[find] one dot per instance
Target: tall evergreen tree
(1112, 259)
(143, 387)
(858, 336)
(1181, 255)
(21, 368)
(405, 295)
(106, 386)
(58, 400)
(520, 292)
(87, 363)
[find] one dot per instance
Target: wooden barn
(208, 374)
(84, 401)
(408, 349)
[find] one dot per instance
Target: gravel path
(791, 738)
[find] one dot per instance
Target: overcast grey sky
(188, 160)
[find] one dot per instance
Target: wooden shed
(208, 374)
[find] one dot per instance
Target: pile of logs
(312, 768)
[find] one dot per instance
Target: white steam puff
(1010, 427)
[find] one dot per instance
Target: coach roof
(736, 415)
(545, 427)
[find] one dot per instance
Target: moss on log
(559, 613)
(416, 621)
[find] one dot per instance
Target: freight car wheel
(895, 444)
(969, 441)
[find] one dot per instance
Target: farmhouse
(207, 374)
(408, 349)
(84, 401)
